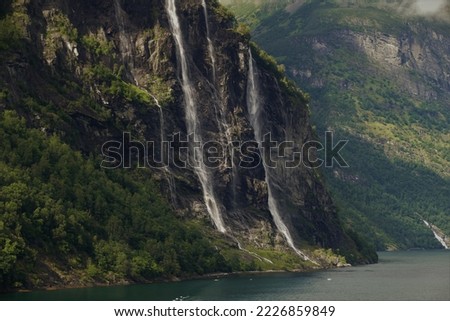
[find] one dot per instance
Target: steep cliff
(89, 72)
(377, 72)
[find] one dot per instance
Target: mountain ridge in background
(377, 72)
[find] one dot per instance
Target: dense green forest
(399, 146)
(108, 225)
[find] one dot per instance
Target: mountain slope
(378, 76)
(77, 75)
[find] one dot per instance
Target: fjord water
(412, 275)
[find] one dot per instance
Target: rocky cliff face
(404, 56)
(101, 68)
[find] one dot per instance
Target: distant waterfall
(212, 54)
(441, 239)
(259, 257)
(224, 127)
(212, 57)
(192, 119)
(125, 43)
(254, 109)
(168, 175)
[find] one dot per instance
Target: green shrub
(95, 46)
(11, 32)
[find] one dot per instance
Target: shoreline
(162, 281)
(202, 277)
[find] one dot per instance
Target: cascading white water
(168, 175)
(212, 54)
(259, 257)
(224, 127)
(254, 104)
(192, 118)
(125, 43)
(436, 235)
(212, 57)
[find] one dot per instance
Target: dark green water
(412, 275)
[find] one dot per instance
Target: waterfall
(125, 43)
(254, 104)
(438, 237)
(192, 119)
(167, 174)
(212, 54)
(255, 255)
(218, 99)
(224, 127)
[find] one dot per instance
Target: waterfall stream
(224, 126)
(125, 42)
(167, 174)
(212, 54)
(254, 104)
(255, 255)
(200, 169)
(436, 235)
